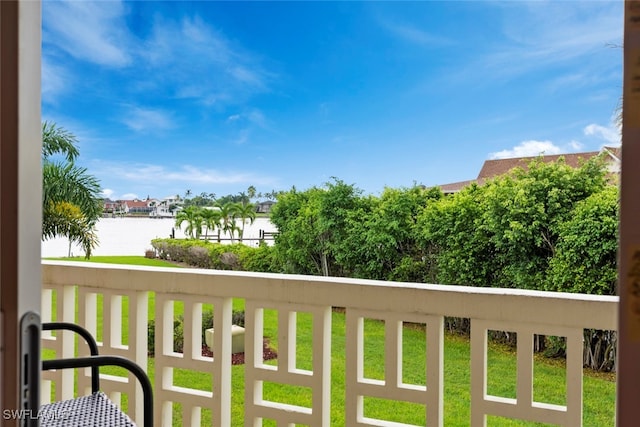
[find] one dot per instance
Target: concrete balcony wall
(524, 312)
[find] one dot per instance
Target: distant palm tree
(245, 212)
(71, 202)
(228, 214)
(242, 197)
(192, 215)
(232, 229)
(210, 220)
(251, 192)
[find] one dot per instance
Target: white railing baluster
(524, 407)
(478, 367)
(221, 410)
(524, 363)
(393, 386)
(435, 371)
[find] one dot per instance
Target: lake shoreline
(133, 235)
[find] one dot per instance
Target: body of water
(132, 236)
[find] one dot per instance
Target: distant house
(167, 207)
(493, 168)
(111, 207)
(264, 207)
(137, 207)
(173, 200)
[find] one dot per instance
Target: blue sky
(214, 97)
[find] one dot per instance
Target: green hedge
(218, 256)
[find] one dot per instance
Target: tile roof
(135, 203)
(493, 168)
(454, 187)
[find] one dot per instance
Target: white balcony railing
(70, 290)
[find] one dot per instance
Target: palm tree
(242, 198)
(210, 220)
(245, 212)
(56, 140)
(232, 228)
(193, 217)
(71, 202)
(251, 192)
(228, 213)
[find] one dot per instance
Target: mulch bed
(238, 358)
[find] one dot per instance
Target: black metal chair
(95, 410)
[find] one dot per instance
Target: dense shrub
(199, 257)
(262, 259)
(237, 318)
(217, 256)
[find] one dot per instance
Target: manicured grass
(549, 375)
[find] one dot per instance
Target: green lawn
(549, 382)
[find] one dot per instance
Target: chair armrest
(97, 361)
(91, 342)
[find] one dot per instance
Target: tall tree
(210, 220)
(192, 215)
(587, 249)
(244, 213)
(251, 192)
(504, 233)
(383, 240)
(228, 215)
(313, 225)
(71, 202)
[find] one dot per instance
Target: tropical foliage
(71, 203)
(549, 227)
(223, 218)
(546, 227)
(505, 233)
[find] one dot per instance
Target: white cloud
(560, 31)
(107, 193)
(257, 117)
(146, 119)
(251, 117)
(575, 80)
(243, 137)
(541, 35)
(528, 149)
(185, 175)
(90, 31)
(186, 57)
(244, 75)
(609, 134)
(414, 34)
(129, 196)
(576, 145)
(53, 80)
(226, 73)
